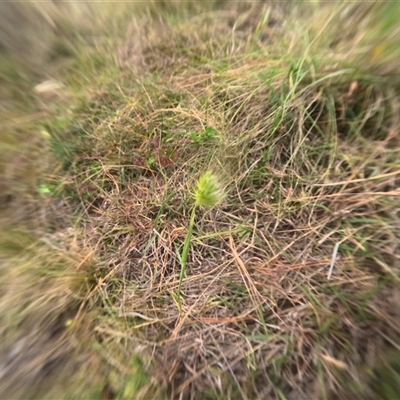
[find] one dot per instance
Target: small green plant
(45, 189)
(208, 194)
(199, 137)
(151, 160)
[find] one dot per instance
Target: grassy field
(200, 201)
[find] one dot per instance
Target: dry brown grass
(307, 145)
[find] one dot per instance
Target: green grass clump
(277, 277)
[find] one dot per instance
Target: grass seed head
(209, 191)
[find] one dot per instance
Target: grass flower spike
(209, 192)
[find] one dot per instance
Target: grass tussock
(285, 285)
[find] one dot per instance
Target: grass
(208, 193)
(116, 283)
